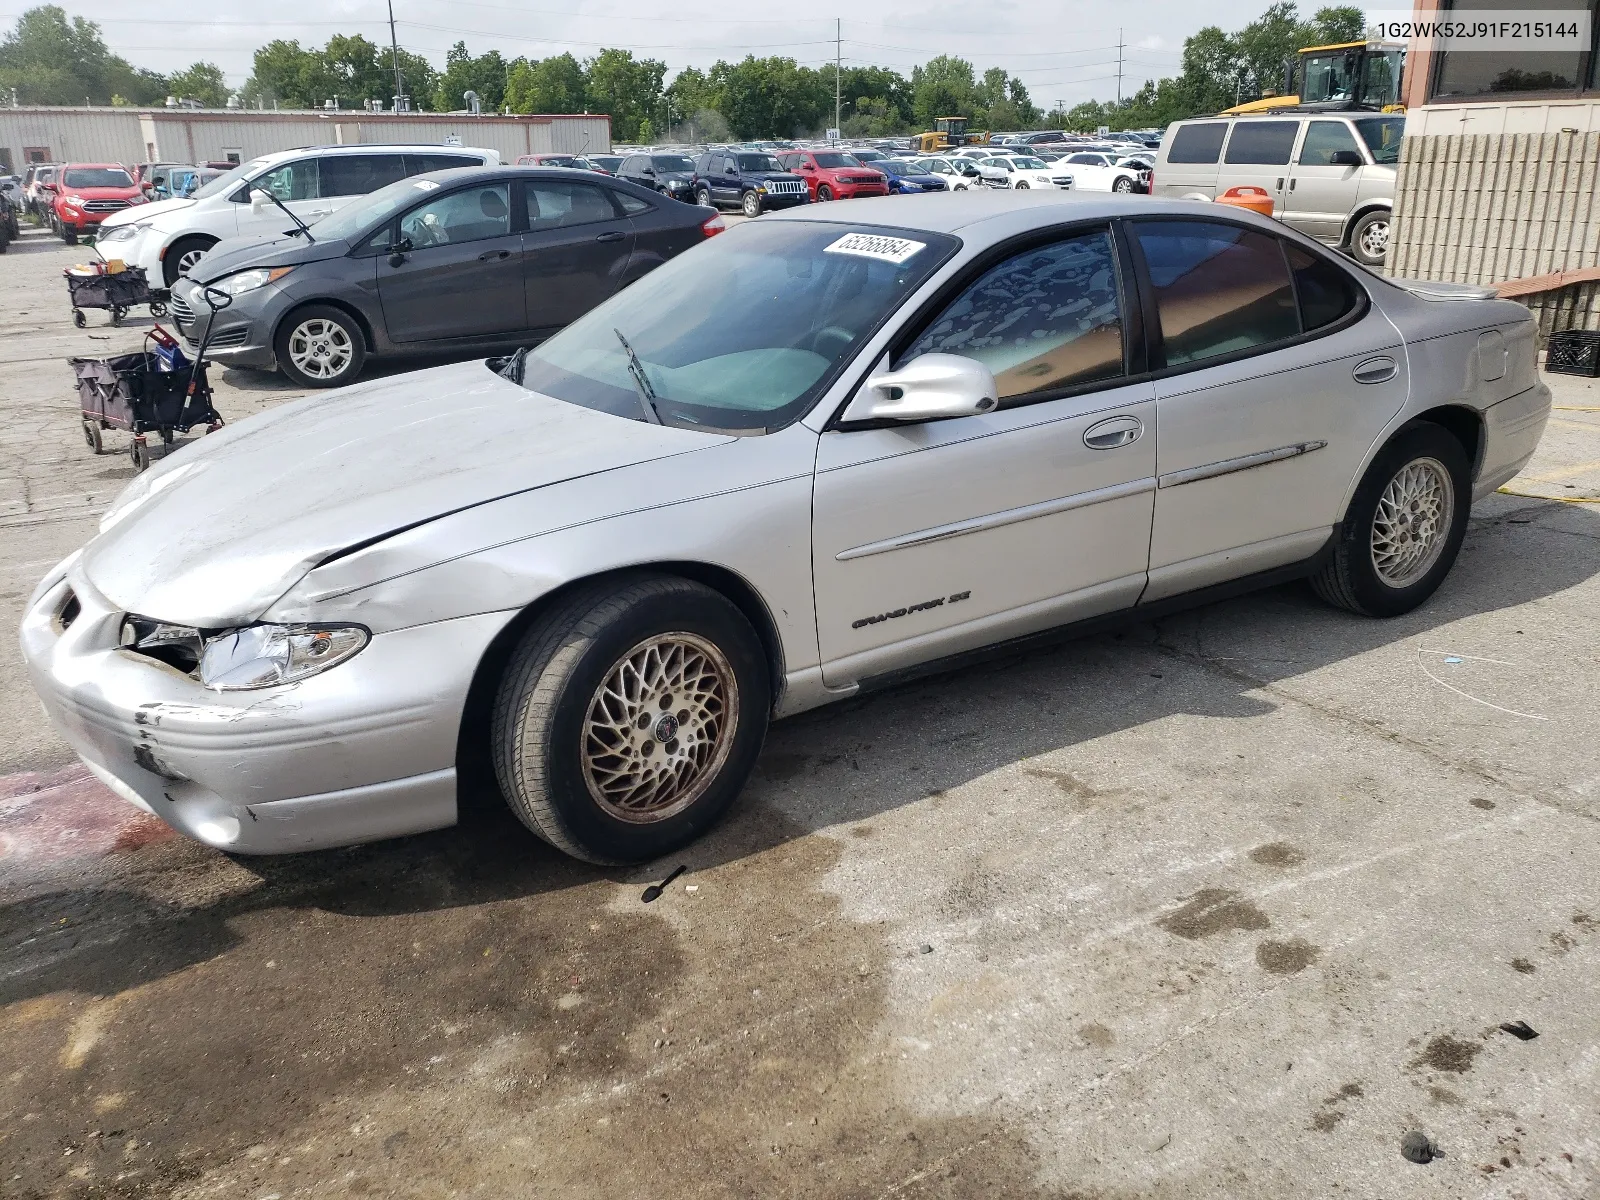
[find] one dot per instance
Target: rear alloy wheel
(320, 346)
(750, 204)
(824, 193)
(1122, 184)
(1369, 240)
(630, 717)
(1404, 526)
(702, 197)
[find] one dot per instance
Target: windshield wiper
(300, 226)
(641, 381)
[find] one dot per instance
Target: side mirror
(258, 201)
(930, 387)
(1345, 158)
(805, 166)
(730, 170)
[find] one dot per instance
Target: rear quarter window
(1197, 143)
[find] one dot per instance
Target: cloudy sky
(1062, 52)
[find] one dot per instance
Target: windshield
(91, 177)
(1028, 164)
(374, 208)
(671, 162)
(831, 160)
(1382, 136)
(224, 183)
(758, 162)
(781, 305)
(1329, 76)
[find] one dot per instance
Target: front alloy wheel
(320, 347)
(1122, 184)
(750, 204)
(630, 717)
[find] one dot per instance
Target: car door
(932, 538)
(576, 249)
(296, 185)
(457, 268)
(724, 180)
(1322, 191)
(1257, 155)
(1276, 376)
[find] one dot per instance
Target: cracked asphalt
(1221, 906)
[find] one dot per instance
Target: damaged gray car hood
(212, 535)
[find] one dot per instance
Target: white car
(170, 236)
(1095, 171)
(1023, 171)
(886, 434)
(962, 173)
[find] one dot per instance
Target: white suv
(167, 238)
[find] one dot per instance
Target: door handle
(489, 255)
(1376, 370)
(611, 236)
(1279, 188)
(1292, 182)
(1113, 432)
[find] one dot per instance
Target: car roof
(990, 215)
(372, 148)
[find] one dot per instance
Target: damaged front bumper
(362, 752)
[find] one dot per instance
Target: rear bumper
(1512, 429)
(362, 752)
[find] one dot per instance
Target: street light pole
(838, 59)
(394, 46)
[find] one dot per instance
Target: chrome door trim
(1010, 516)
(1243, 463)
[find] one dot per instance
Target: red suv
(834, 175)
(84, 194)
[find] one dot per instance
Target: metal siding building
(132, 135)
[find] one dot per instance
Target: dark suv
(670, 174)
(751, 179)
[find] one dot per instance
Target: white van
(1330, 174)
(169, 237)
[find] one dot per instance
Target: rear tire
(703, 198)
(1404, 526)
(630, 717)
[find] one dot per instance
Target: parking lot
(1223, 905)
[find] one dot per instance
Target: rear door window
(1043, 320)
(1219, 289)
(553, 205)
(358, 174)
(1261, 143)
(1197, 143)
(1326, 293)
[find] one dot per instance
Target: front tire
(824, 193)
(320, 346)
(1122, 184)
(750, 204)
(69, 235)
(1369, 239)
(630, 717)
(183, 256)
(1404, 526)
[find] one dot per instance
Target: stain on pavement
(1212, 911)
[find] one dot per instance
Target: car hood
(104, 193)
(241, 253)
(143, 212)
(775, 176)
(212, 535)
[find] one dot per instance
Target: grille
(225, 338)
(1061, 181)
(865, 180)
(935, 185)
(780, 187)
(104, 205)
(180, 308)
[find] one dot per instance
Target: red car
(84, 194)
(834, 175)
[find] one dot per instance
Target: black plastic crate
(1574, 352)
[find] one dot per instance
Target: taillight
(713, 226)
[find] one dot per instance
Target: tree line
(51, 58)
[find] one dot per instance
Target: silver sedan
(814, 454)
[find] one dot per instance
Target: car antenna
(300, 225)
(641, 381)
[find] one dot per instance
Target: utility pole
(394, 46)
(838, 59)
(1119, 67)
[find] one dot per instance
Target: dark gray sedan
(469, 260)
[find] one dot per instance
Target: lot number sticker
(871, 245)
(426, 185)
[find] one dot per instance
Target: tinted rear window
(1262, 143)
(1219, 288)
(1197, 143)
